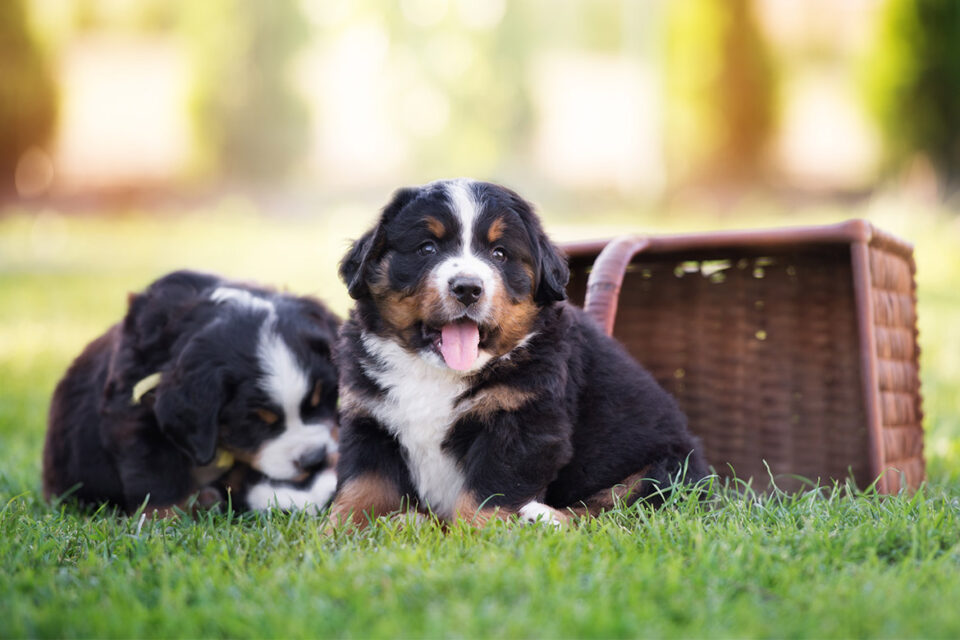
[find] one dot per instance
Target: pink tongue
(459, 344)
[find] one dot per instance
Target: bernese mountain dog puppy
(470, 388)
(205, 385)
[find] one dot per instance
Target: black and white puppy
(470, 388)
(205, 384)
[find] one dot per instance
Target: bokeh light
(644, 102)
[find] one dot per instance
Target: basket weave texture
(793, 349)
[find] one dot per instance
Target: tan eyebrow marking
(267, 416)
(495, 232)
(317, 392)
(436, 227)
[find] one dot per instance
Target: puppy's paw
(312, 499)
(209, 498)
(537, 512)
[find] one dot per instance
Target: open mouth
(457, 342)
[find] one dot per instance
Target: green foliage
(914, 83)
(28, 97)
(249, 121)
(721, 88)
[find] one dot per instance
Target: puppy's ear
(188, 403)
(154, 320)
(320, 329)
(353, 266)
(322, 319)
(365, 251)
(147, 324)
(553, 273)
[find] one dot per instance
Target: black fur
(119, 452)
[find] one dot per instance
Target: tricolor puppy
(201, 378)
(470, 388)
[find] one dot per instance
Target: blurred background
(157, 102)
(255, 137)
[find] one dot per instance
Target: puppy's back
(73, 453)
(76, 448)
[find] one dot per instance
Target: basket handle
(603, 284)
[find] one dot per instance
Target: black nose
(467, 289)
(313, 460)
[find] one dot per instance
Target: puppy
(469, 388)
(201, 378)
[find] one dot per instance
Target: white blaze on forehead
(466, 262)
(287, 383)
(465, 208)
(284, 380)
(242, 297)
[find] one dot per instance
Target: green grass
(827, 563)
(833, 565)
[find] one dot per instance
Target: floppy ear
(188, 403)
(148, 321)
(154, 321)
(553, 273)
(320, 330)
(353, 266)
(324, 324)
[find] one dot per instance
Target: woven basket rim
(851, 231)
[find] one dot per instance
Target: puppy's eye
(499, 254)
(269, 417)
(428, 248)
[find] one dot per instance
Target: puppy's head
(456, 271)
(256, 379)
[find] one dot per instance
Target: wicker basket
(795, 347)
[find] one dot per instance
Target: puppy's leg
(650, 483)
(364, 497)
(373, 477)
(155, 469)
(206, 498)
(510, 460)
(627, 490)
(470, 510)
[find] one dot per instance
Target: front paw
(537, 512)
(208, 498)
(287, 497)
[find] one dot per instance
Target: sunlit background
(636, 101)
(254, 137)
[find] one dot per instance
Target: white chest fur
(419, 411)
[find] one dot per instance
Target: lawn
(835, 562)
